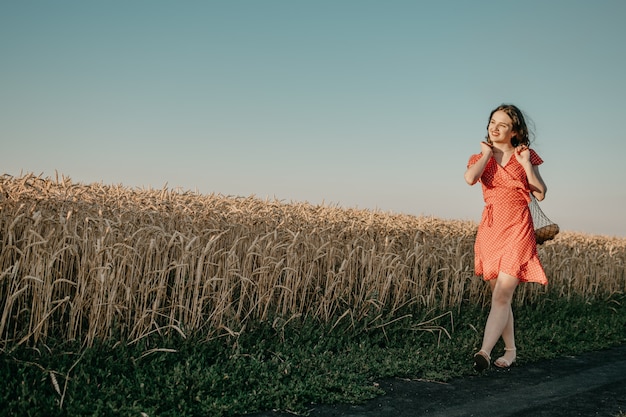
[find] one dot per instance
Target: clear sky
(361, 104)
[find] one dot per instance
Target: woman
(505, 251)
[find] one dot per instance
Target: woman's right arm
(474, 172)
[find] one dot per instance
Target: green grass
(287, 367)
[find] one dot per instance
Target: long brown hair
(523, 134)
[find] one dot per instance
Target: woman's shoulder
(474, 158)
(535, 159)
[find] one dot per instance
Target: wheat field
(87, 262)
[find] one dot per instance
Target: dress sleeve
(473, 159)
(534, 158)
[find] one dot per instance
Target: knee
(501, 298)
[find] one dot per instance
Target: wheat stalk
(88, 262)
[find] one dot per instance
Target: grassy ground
(283, 366)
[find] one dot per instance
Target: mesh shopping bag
(545, 229)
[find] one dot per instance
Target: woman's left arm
(537, 185)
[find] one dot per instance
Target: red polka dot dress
(506, 239)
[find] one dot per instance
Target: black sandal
(482, 361)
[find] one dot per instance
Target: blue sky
(366, 104)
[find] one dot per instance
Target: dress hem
(520, 281)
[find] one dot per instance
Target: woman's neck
(503, 148)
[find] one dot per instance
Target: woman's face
(500, 128)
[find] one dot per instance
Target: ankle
(486, 352)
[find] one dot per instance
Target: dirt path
(591, 384)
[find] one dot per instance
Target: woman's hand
(486, 149)
(522, 153)
(535, 182)
(473, 173)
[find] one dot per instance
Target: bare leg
(508, 334)
(500, 321)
